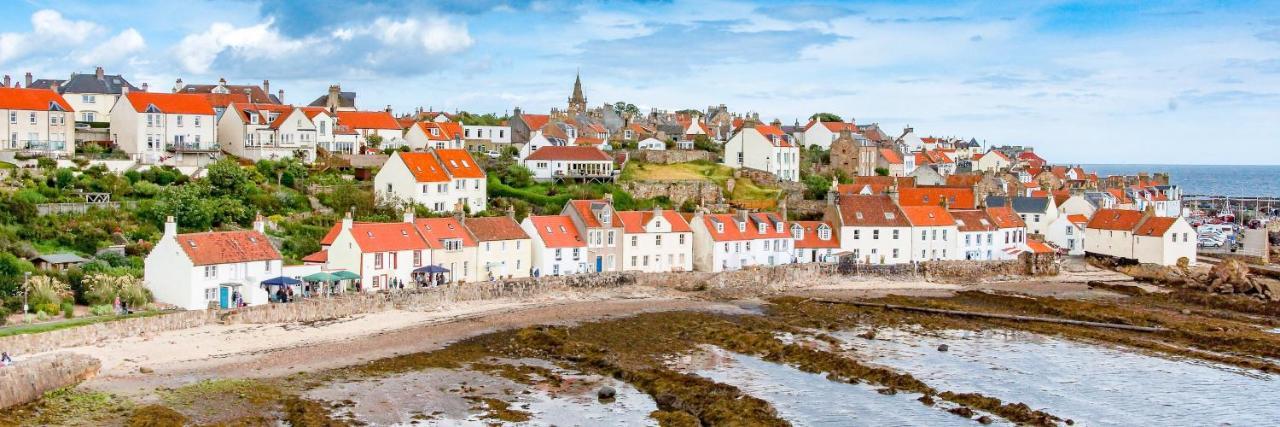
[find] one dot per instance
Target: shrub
(40, 316)
(68, 310)
(102, 310)
(48, 308)
(47, 290)
(103, 289)
(4, 316)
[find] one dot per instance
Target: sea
(1216, 180)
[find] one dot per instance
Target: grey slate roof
(61, 258)
(345, 100)
(87, 83)
(1022, 204)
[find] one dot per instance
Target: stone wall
(971, 270)
(676, 191)
(667, 157)
(757, 177)
(31, 378)
(98, 332)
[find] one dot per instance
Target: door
(224, 297)
(599, 264)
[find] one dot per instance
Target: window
(895, 252)
(88, 99)
(634, 239)
(895, 234)
(89, 116)
(633, 260)
(178, 120)
(32, 117)
(924, 235)
(610, 243)
(875, 234)
(739, 157)
(210, 271)
(1037, 218)
(558, 254)
(856, 234)
(195, 121)
(966, 240)
(682, 239)
(657, 240)
(417, 258)
(1069, 230)
(13, 117)
(377, 260)
(576, 254)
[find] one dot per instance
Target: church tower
(577, 102)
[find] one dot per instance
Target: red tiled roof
(1039, 247)
(578, 153)
(928, 216)
(493, 228)
(535, 121)
(368, 120)
(635, 221)
(1005, 217)
(955, 197)
(810, 239)
(31, 99)
(227, 247)
(891, 156)
(387, 237)
(588, 141)
(964, 179)
(877, 183)
(312, 112)
(446, 131)
(1155, 226)
(557, 231)
(583, 207)
(973, 220)
(321, 257)
(459, 163)
(170, 103)
(876, 210)
(1115, 219)
(424, 167)
(774, 134)
(436, 230)
(750, 232)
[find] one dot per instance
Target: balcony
(35, 147)
(192, 147)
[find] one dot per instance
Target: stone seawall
(667, 157)
(98, 332)
(676, 191)
(31, 378)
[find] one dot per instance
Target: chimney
(280, 96)
(331, 103)
(346, 221)
(124, 90)
(52, 86)
(99, 74)
(222, 81)
(260, 224)
(28, 82)
(266, 87)
(782, 207)
(177, 85)
(742, 215)
(833, 193)
(511, 212)
(170, 227)
(388, 108)
(145, 87)
(408, 215)
(608, 198)
(6, 81)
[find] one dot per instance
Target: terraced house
(726, 242)
(598, 222)
(172, 127)
(267, 132)
(443, 180)
(656, 241)
(36, 122)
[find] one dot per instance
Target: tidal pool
(807, 399)
(1092, 385)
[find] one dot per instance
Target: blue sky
(1084, 82)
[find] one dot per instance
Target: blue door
(224, 297)
(599, 264)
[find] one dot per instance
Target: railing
(192, 147)
(34, 145)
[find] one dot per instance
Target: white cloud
(49, 31)
(117, 48)
(197, 52)
(434, 34)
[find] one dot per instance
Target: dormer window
(778, 225)
(742, 227)
(762, 228)
(719, 227)
(604, 217)
(824, 232)
(797, 232)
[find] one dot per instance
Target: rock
(944, 347)
(146, 370)
(606, 393)
(985, 420)
(1186, 312)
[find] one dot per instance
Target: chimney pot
(28, 82)
(281, 96)
(99, 73)
(145, 87)
(6, 81)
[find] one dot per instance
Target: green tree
(519, 176)
(226, 177)
(882, 171)
(826, 117)
(816, 186)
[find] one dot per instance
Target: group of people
(284, 294)
(5, 360)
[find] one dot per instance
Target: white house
(599, 224)
(196, 271)
(1078, 204)
(267, 132)
(977, 235)
(36, 121)
(822, 134)
(1011, 232)
(872, 228)
(443, 180)
(151, 127)
(933, 233)
(504, 250)
(993, 161)
(558, 249)
(815, 241)
(372, 125)
(652, 144)
(383, 254)
(1036, 212)
(494, 134)
(656, 241)
(432, 135)
(726, 242)
(1140, 236)
(91, 95)
(1067, 232)
(553, 163)
(452, 246)
(765, 148)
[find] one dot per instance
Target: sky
(1172, 82)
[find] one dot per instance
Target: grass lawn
(680, 171)
(36, 328)
(7, 165)
(744, 189)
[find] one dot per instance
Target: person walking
(5, 360)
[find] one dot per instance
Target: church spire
(577, 102)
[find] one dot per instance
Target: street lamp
(26, 286)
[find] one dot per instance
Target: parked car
(1209, 243)
(493, 154)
